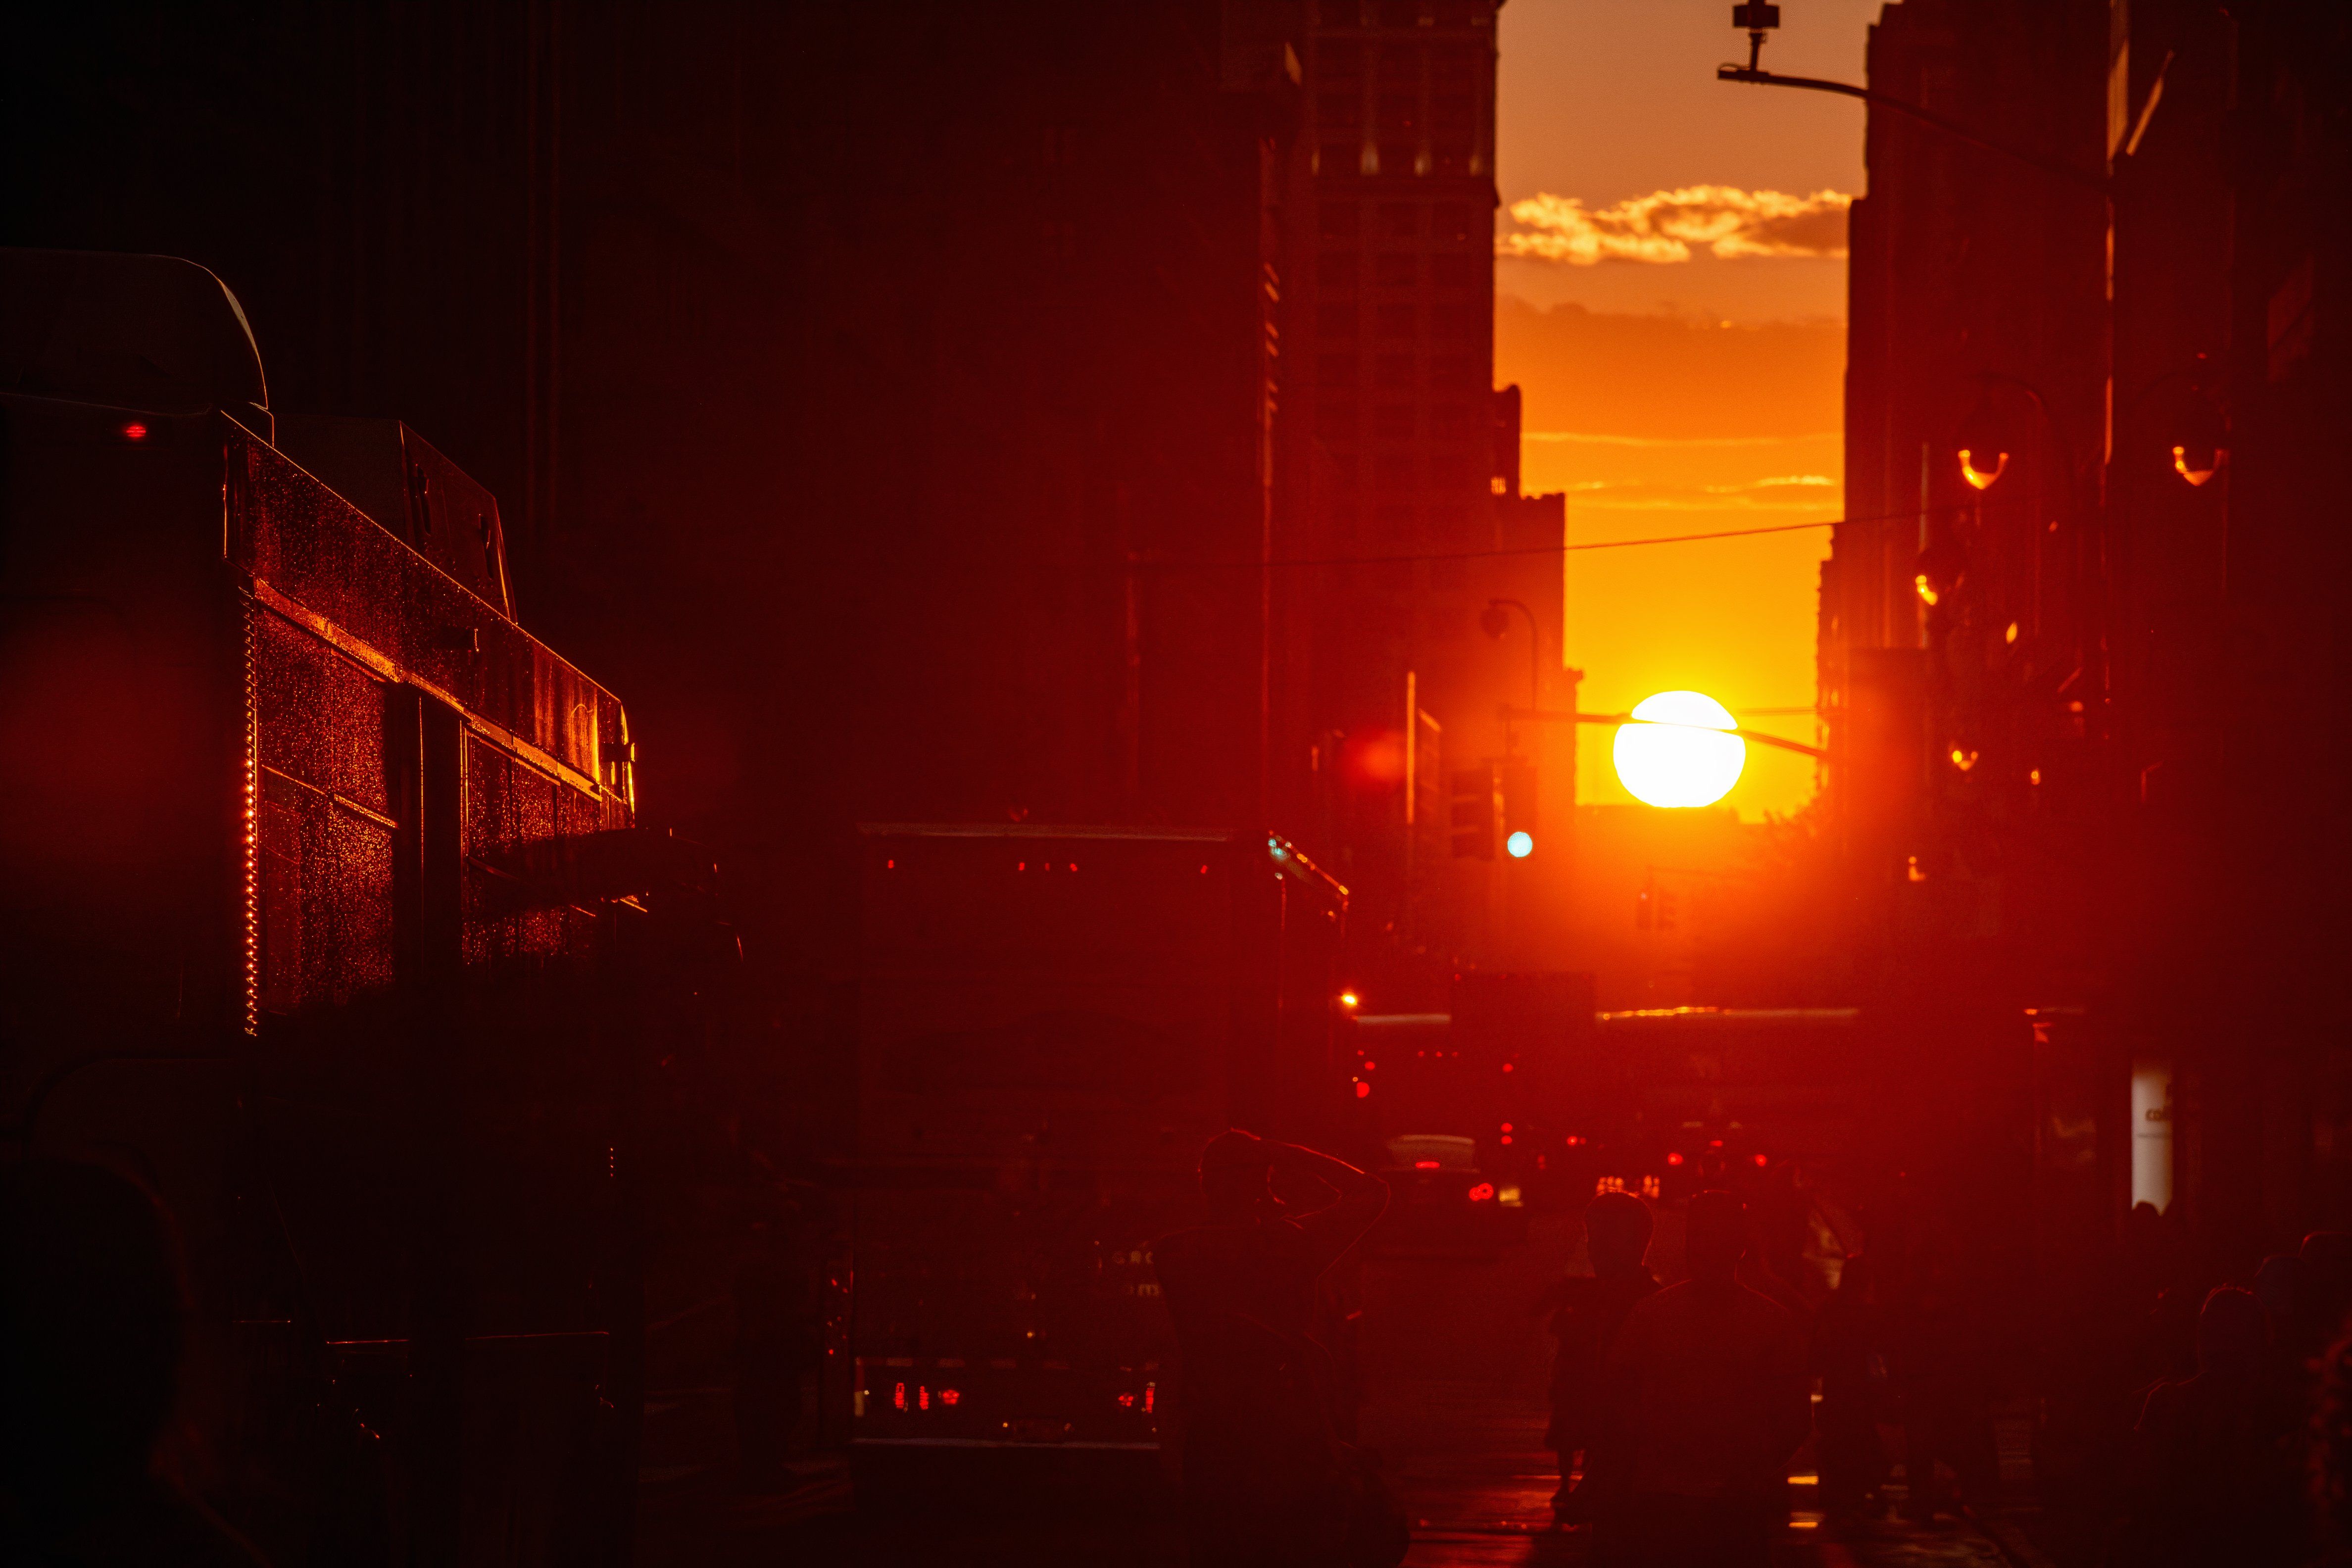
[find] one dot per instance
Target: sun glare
(1677, 751)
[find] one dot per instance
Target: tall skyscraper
(1390, 477)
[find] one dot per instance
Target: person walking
(1706, 1399)
(1266, 1479)
(1587, 1311)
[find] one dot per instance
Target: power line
(1910, 516)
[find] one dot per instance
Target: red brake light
(1425, 1164)
(1763, 1160)
(1362, 1090)
(898, 1397)
(1482, 1192)
(1674, 1159)
(949, 1396)
(134, 431)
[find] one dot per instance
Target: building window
(1336, 269)
(1449, 419)
(1340, 159)
(1395, 371)
(1336, 320)
(1335, 421)
(1398, 158)
(1396, 470)
(1451, 155)
(1339, 111)
(1457, 320)
(1451, 220)
(1393, 422)
(1395, 321)
(1454, 373)
(1395, 270)
(1337, 220)
(1335, 370)
(1400, 220)
(1396, 523)
(1447, 469)
(1340, 59)
(1400, 111)
(1458, 271)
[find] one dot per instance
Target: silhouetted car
(1439, 1195)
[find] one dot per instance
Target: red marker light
(949, 1396)
(1425, 1164)
(1507, 1138)
(1763, 1160)
(1575, 1140)
(1482, 1192)
(1363, 1089)
(1674, 1159)
(1371, 1067)
(1506, 1066)
(1715, 1143)
(1127, 1402)
(134, 431)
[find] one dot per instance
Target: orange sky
(1671, 397)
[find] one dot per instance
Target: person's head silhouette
(1616, 1233)
(1715, 1235)
(1234, 1177)
(2229, 1334)
(91, 1332)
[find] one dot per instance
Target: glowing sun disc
(1677, 752)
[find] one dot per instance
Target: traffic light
(1518, 782)
(1476, 802)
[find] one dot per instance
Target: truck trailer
(1050, 1024)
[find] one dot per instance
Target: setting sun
(1679, 751)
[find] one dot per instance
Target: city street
(1456, 1367)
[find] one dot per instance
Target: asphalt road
(1455, 1369)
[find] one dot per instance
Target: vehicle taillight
(1425, 1164)
(134, 431)
(1674, 1159)
(1482, 1193)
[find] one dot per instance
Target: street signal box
(1475, 810)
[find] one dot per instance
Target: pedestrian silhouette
(1708, 1399)
(91, 1327)
(1266, 1479)
(1849, 1355)
(1587, 1311)
(2216, 1463)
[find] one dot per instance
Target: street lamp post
(1494, 623)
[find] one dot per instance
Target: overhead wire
(1911, 515)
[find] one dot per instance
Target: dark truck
(1051, 1022)
(317, 878)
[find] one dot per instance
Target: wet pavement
(1454, 1365)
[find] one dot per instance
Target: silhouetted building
(1398, 472)
(2074, 633)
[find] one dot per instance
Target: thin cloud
(1662, 227)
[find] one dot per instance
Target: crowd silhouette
(2174, 1417)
